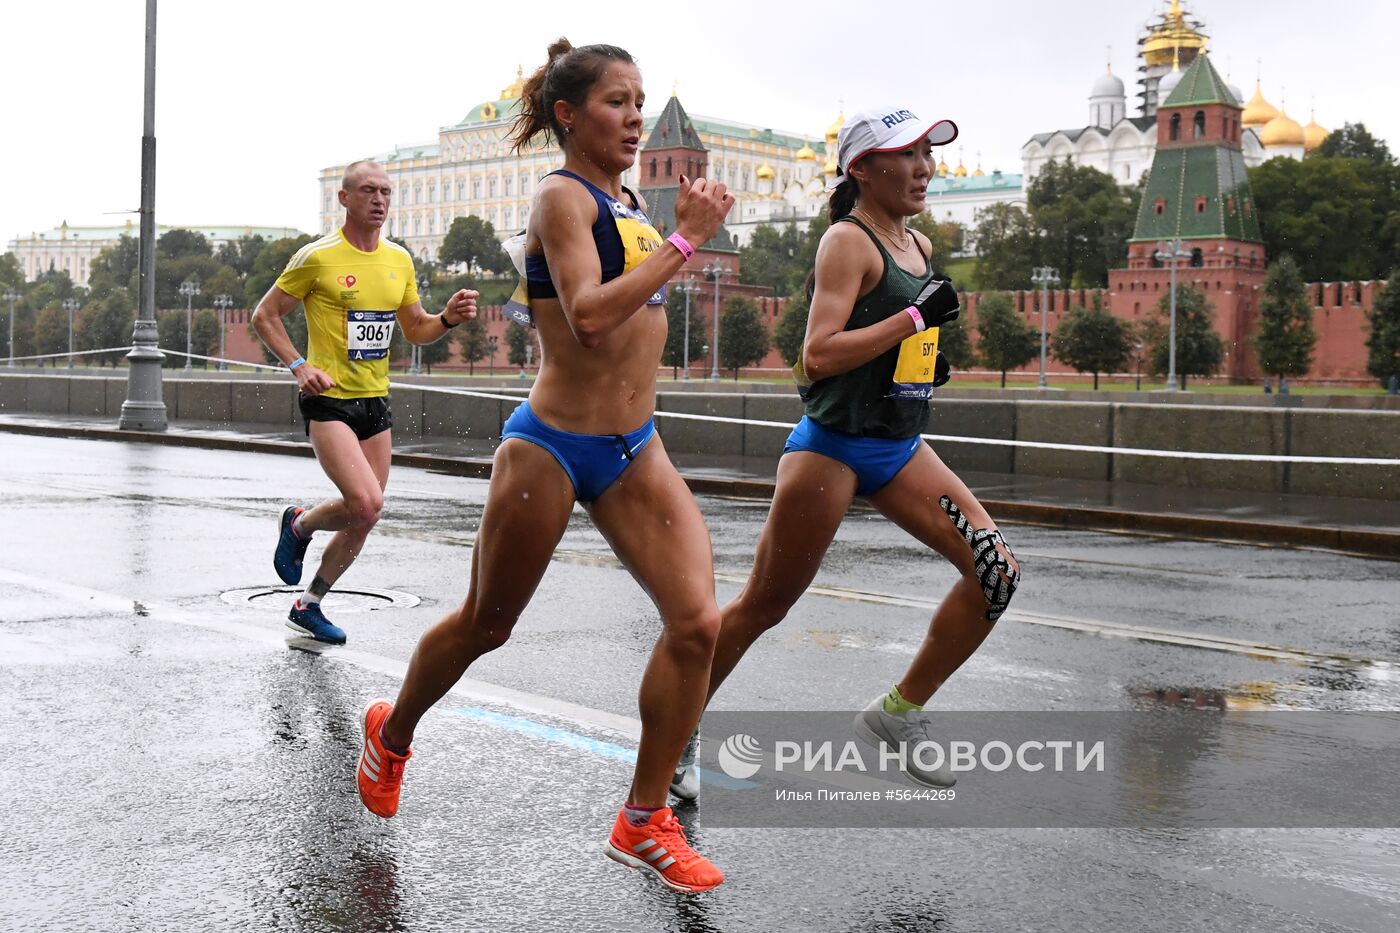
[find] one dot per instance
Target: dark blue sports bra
(612, 255)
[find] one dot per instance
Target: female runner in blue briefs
(868, 366)
(596, 269)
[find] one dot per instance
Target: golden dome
(831, 168)
(1168, 36)
(1282, 130)
(765, 171)
(1258, 111)
(834, 130)
(516, 86)
(960, 171)
(942, 169)
(806, 154)
(978, 173)
(1313, 134)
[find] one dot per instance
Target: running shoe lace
(671, 834)
(393, 775)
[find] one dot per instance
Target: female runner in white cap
(868, 366)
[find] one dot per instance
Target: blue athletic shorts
(875, 460)
(593, 461)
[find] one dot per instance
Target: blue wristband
(295, 363)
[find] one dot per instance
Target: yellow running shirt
(350, 298)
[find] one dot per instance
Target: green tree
(107, 321)
(116, 266)
(439, 351)
(51, 331)
(1199, 349)
(240, 255)
(771, 257)
(674, 354)
(1007, 247)
(1339, 217)
(472, 243)
(517, 339)
(205, 338)
(943, 237)
(955, 344)
(11, 274)
(1286, 337)
(743, 339)
(471, 342)
(791, 331)
(1354, 141)
(1092, 341)
(179, 243)
(806, 259)
(1005, 341)
(271, 260)
(170, 334)
(171, 272)
(1084, 219)
(1383, 342)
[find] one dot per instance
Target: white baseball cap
(885, 130)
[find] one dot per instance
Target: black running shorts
(365, 416)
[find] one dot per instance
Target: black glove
(937, 302)
(942, 372)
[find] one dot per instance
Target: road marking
(1097, 627)
(473, 691)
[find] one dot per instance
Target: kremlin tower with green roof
(1198, 191)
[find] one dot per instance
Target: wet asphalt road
(178, 763)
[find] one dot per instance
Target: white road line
(475, 691)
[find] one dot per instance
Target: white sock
(302, 533)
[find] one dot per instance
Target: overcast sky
(254, 96)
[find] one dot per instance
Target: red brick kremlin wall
(1339, 316)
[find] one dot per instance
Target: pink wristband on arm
(682, 244)
(919, 325)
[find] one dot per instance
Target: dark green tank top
(857, 402)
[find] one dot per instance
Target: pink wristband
(682, 244)
(919, 325)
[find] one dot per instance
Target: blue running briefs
(592, 461)
(875, 460)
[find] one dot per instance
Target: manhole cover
(278, 598)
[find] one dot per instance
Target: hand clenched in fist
(701, 208)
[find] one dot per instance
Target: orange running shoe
(380, 773)
(659, 846)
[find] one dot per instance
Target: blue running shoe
(286, 560)
(310, 621)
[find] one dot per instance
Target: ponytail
(567, 75)
(843, 199)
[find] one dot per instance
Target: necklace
(894, 238)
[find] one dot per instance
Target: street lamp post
(1137, 357)
(70, 305)
(1171, 252)
(223, 303)
(425, 295)
(491, 345)
(1044, 276)
(687, 288)
(189, 288)
(12, 296)
(715, 272)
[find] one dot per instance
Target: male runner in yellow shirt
(355, 287)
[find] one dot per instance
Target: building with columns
(470, 168)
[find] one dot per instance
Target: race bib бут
(917, 364)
